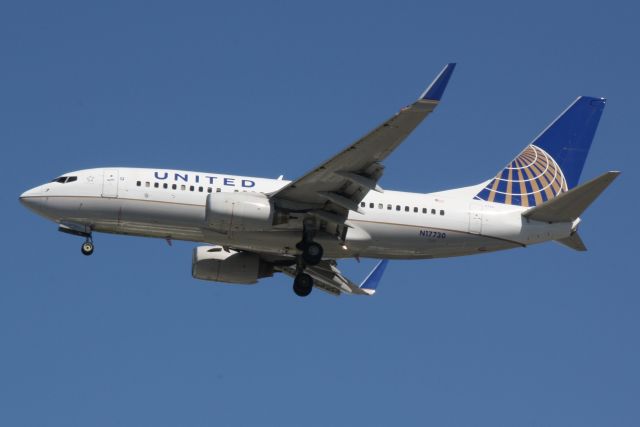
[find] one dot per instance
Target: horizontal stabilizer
(574, 242)
(568, 206)
(552, 163)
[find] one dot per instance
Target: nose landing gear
(82, 231)
(87, 246)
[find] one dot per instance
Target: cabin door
(110, 183)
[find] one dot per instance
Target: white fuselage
(391, 224)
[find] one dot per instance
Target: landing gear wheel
(87, 248)
(312, 253)
(302, 284)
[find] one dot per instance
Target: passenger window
(138, 183)
(362, 204)
(165, 185)
(156, 185)
(147, 184)
(424, 210)
(441, 212)
(406, 208)
(200, 189)
(218, 190)
(183, 187)
(174, 186)
(433, 211)
(389, 207)
(371, 205)
(398, 207)
(380, 206)
(209, 190)
(191, 188)
(415, 209)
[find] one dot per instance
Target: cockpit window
(65, 179)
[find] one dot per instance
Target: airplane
(253, 227)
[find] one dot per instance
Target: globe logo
(530, 179)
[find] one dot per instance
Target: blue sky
(529, 337)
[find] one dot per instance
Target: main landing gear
(87, 246)
(311, 255)
(302, 284)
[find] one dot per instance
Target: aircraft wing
(327, 277)
(338, 185)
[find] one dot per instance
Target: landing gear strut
(311, 255)
(311, 251)
(82, 231)
(87, 246)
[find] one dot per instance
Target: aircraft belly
(132, 217)
(193, 234)
(414, 242)
(84, 210)
(161, 213)
(402, 242)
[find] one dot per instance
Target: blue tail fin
(553, 162)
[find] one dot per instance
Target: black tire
(312, 253)
(87, 248)
(302, 284)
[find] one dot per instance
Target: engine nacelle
(217, 264)
(227, 212)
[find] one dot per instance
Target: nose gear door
(110, 183)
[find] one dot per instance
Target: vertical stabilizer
(553, 162)
(569, 137)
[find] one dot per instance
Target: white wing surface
(335, 187)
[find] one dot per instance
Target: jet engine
(220, 265)
(227, 212)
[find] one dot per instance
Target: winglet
(370, 283)
(436, 88)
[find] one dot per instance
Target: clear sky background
(541, 336)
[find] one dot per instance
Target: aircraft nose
(30, 199)
(24, 196)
